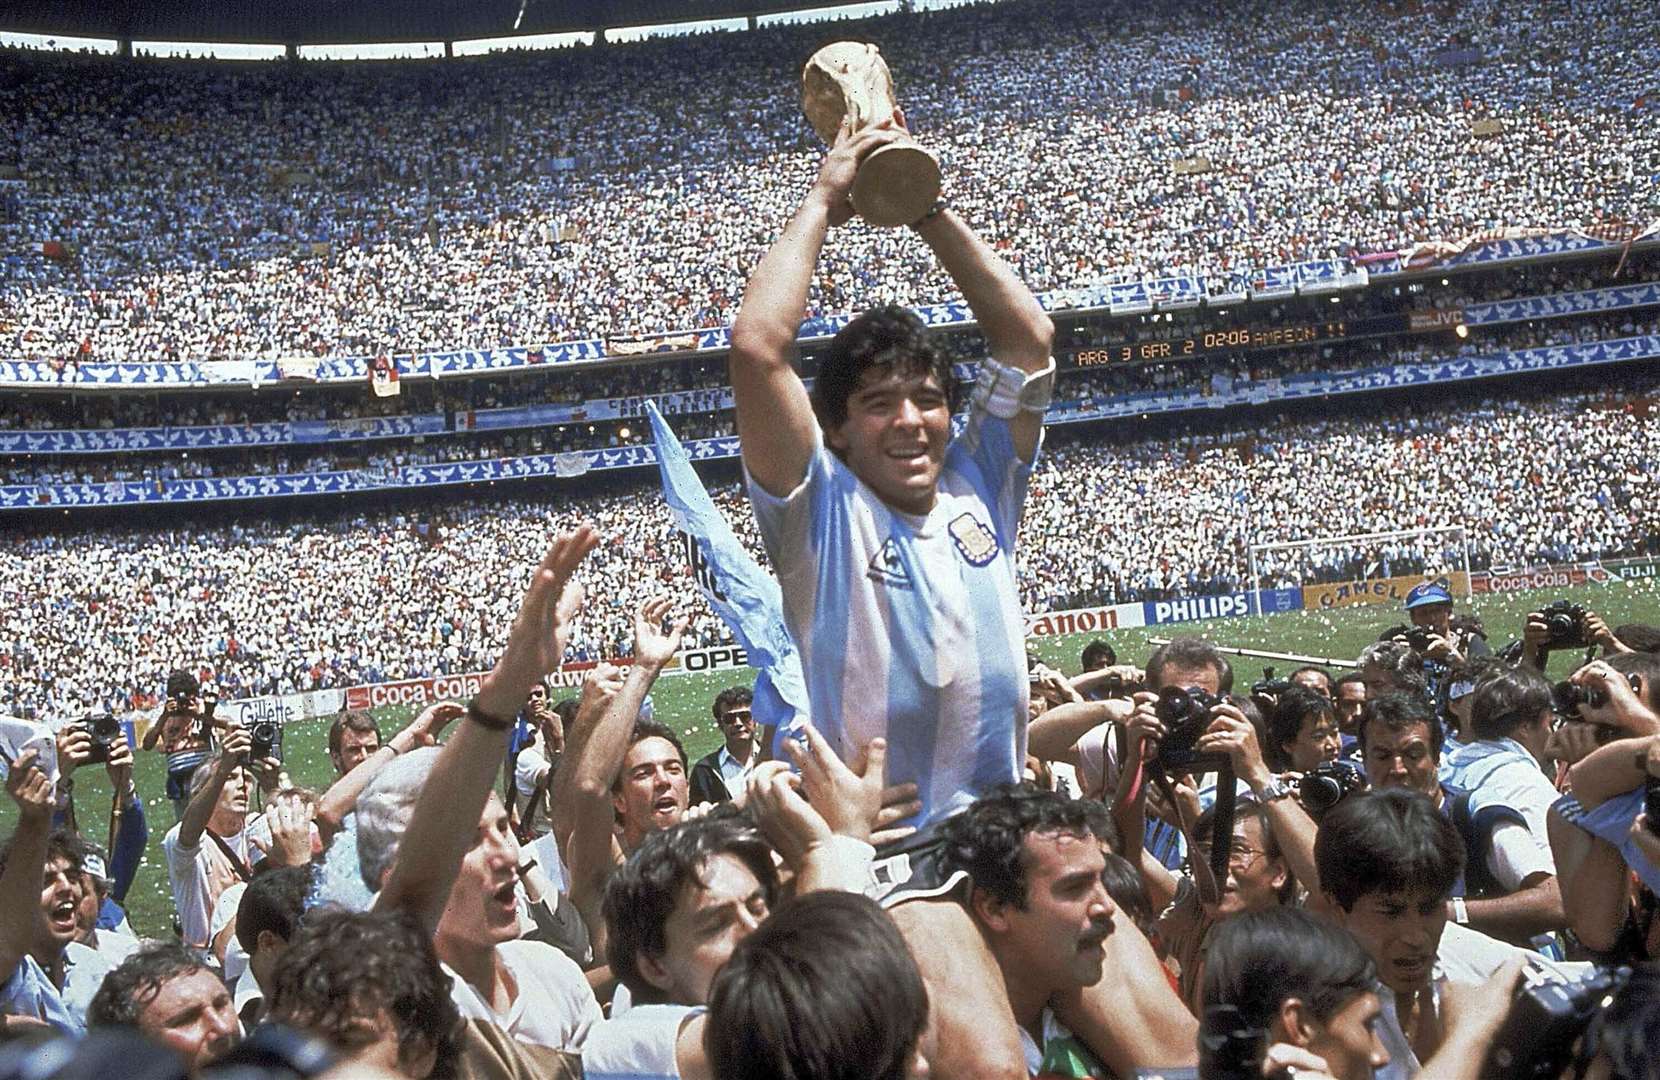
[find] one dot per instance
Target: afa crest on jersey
(974, 540)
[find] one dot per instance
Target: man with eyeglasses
(720, 775)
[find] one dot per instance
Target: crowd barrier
(1313, 278)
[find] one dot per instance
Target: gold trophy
(898, 183)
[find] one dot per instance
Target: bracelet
(485, 721)
(933, 212)
(1460, 911)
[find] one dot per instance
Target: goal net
(1365, 568)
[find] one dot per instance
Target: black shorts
(916, 869)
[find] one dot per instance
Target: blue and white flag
(745, 596)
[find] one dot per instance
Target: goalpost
(1288, 558)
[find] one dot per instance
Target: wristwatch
(1274, 790)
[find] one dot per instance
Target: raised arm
(445, 820)
(233, 754)
(776, 426)
(1017, 329)
(1054, 735)
(341, 797)
(597, 763)
(20, 883)
(1614, 769)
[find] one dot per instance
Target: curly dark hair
(888, 340)
(988, 839)
(824, 990)
(643, 891)
(342, 965)
(1389, 841)
(134, 983)
(65, 844)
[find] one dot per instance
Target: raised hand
(425, 728)
(849, 801)
(841, 165)
(29, 787)
(653, 647)
(536, 646)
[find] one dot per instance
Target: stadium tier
(583, 198)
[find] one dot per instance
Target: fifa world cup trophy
(898, 183)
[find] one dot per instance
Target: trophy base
(896, 185)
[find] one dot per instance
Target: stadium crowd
(96, 617)
(923, 853)
(1205, 376)
(207, 210)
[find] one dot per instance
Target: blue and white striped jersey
(910, 627)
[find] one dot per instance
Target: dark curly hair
(824, 990)
(731, 698)
(127, 990)
(988, 839)
(342, 965)
(643, 891)
(889, 340)
(1389, 841)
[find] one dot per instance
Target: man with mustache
(1035, 859)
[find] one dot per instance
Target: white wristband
(1460, 912)
(1005, 391)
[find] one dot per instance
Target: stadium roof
(315, 22)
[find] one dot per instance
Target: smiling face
(483, 909)
(707, 923)
(894, 437)
(61, 895)
(1056, 940)
(652, 791)
(1402, 932)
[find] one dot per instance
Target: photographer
(1509, 885)
(1565, 625)
(1302, 730)
(221, 794)
(185, 731)
(1591, 830)
(80, 745)
(1430, 606)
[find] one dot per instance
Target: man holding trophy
(894, 547)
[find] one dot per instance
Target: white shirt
(734, 773)
(909, 627)
(528, 769)
(199, 874)
(554, 1007)
(29, 992)
(1502, 771)
(638, 1045)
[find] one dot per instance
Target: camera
(1565, 620)
(105, 729)
(1269, 685)
(1567, 698)
(1546, 1020)
(1185, 714)
(1417, 638)
(1229, 1048)
(266, 736)
(1326, 785)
